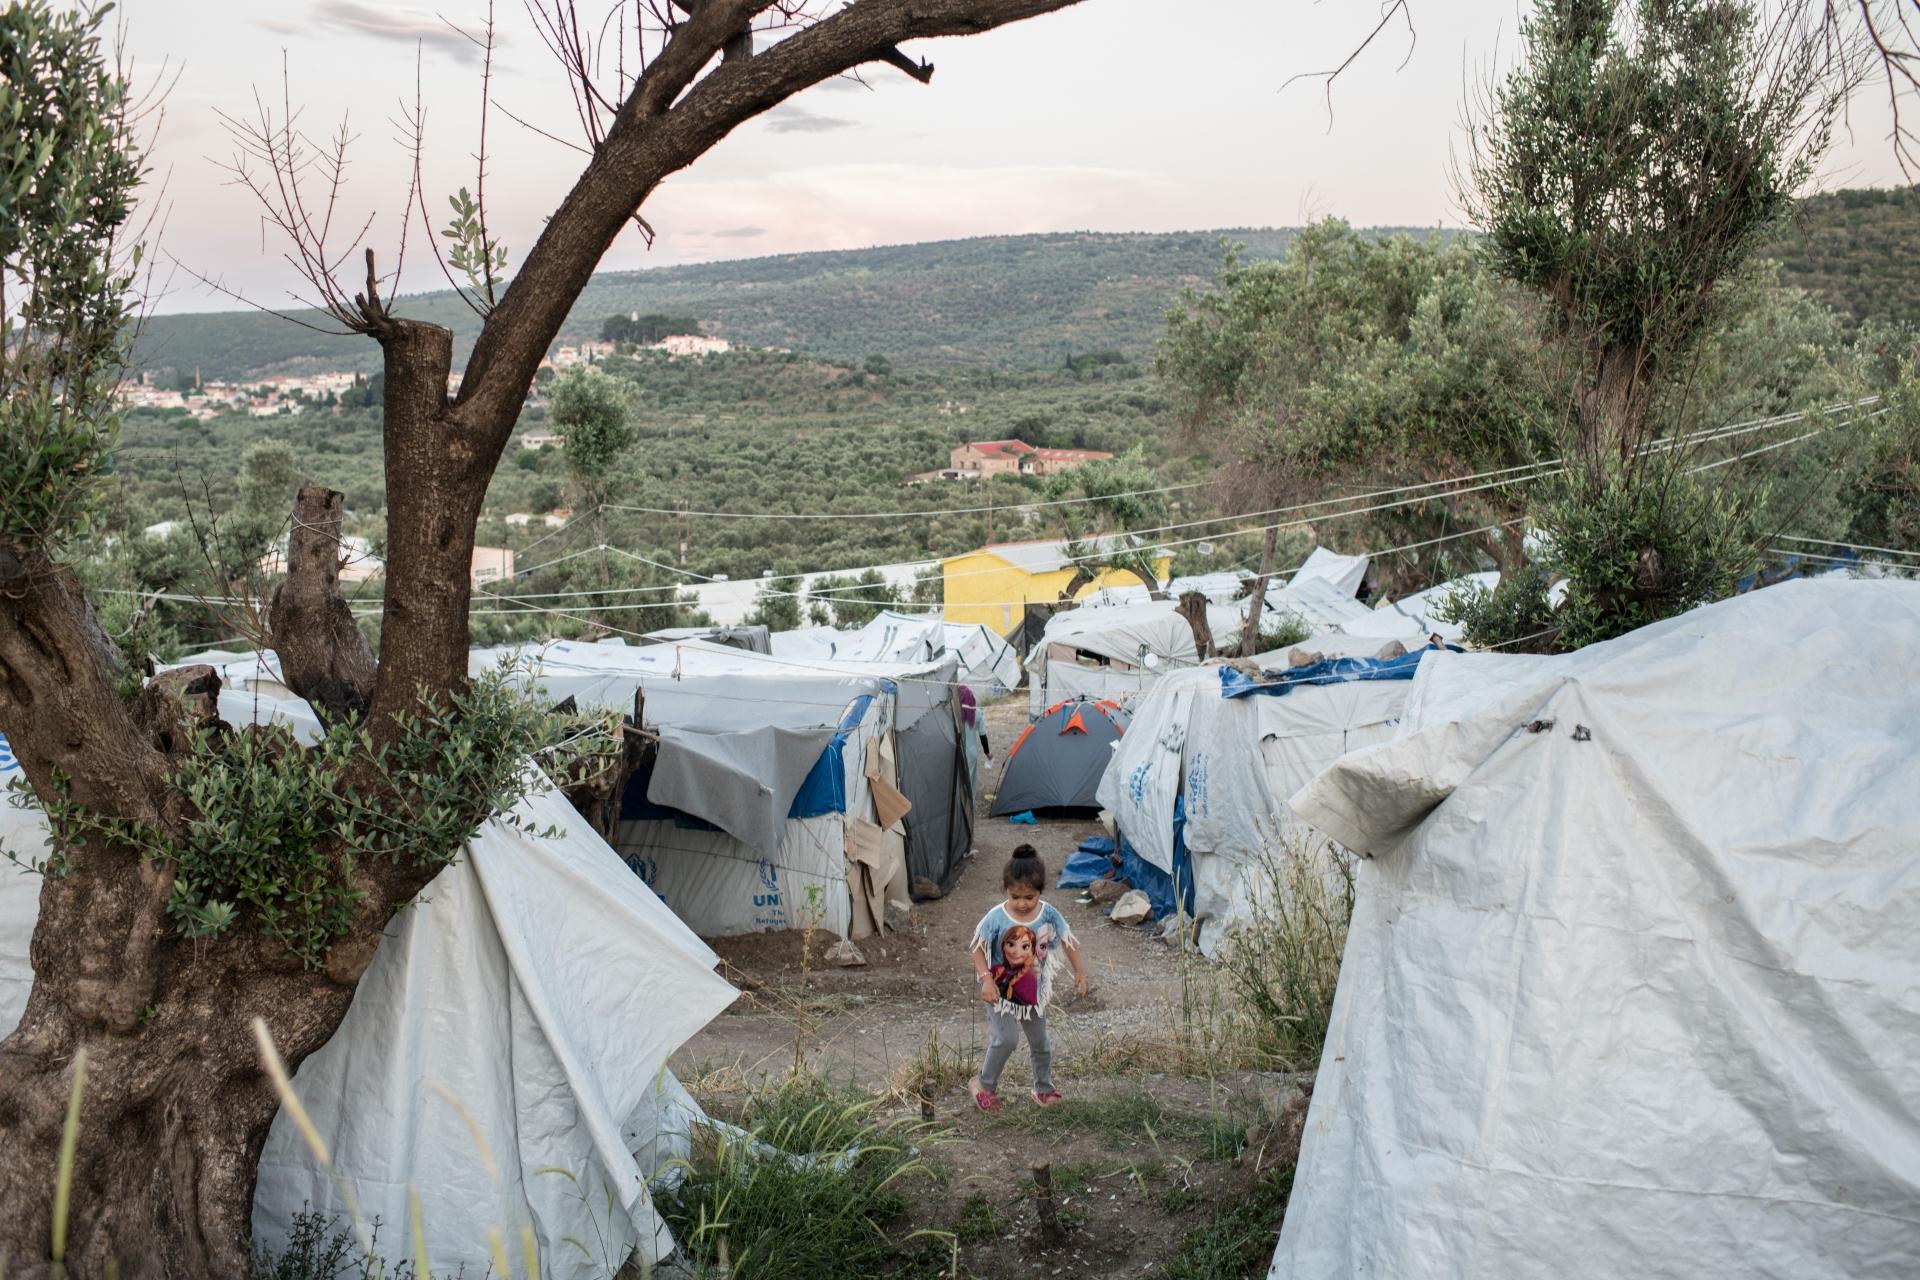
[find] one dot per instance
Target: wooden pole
(1043, 1201)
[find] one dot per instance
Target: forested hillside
(1856, 251)
(1004, 301)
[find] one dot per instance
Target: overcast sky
(1118, 115)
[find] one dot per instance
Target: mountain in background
(1010, 302)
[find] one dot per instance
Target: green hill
(1857, 251)
(1010, 302)
(1005, 301)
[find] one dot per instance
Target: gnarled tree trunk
(1257, 602)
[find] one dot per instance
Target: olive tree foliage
(70, 165)
(1117, 511)
(1627, 168)
(1878, 478)
(594, 414)
(1359, 364)
(1623, 173)
(852, 599)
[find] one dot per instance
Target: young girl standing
(1016, 952)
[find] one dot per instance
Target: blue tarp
(1092, 861)
(825, 790)
(1083, 869)
(1236, 684)
(1151, 880)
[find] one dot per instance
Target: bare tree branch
(1389, 10)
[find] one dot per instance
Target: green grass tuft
(1238, 1242)
(817, 1193)
(978, 1220)
(1116, 1119)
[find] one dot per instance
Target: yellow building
(993, 586)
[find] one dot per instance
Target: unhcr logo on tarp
(769, 913)
(8, 761)
(770, 881)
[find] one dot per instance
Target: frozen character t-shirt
(1050, 936)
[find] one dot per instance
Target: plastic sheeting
(1222, 587)
(1126, 633)
(732, 760)
(1237, 684)
(544, 987)
(724, 885)
(1413, 618)
(1630, 980)
(1229, 764)
(1322, 604)
(1344, 574)
(23, 835)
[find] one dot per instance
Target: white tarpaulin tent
(1104, 652)
(1221, 587)
(1235, 761)
(1344, 574)
(1413, 618)
(776, 780)
(988, 664)
(1629, 987)
(537, 982)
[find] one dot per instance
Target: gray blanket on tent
(739, 761)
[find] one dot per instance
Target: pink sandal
(1051, 1098)
(985, 1099)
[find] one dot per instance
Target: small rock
(845, 954)
(1132, 908)
(925, 889)
(899, 915)
(1108, 890)
(1281, 1091)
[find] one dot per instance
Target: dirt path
(1142, 1157)
(867, 1022)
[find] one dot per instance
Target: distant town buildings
(492, 564)
(261, 397)
(692, 344)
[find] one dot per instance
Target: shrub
(1282, 966)
(811, 1191)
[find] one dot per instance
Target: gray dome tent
(1058, 761)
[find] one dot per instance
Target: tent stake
(1043, 1201)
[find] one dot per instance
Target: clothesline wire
(1855, 560)
(830, 593)
(1499, 478)
(1837, 542)
(1551, 466)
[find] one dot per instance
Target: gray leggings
(1003, 1033)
